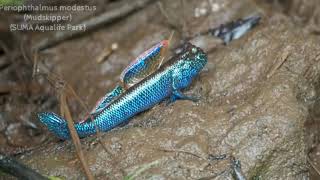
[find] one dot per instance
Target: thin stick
(73, 92)
(185, 32)
(106, 52)
(125, 9)
(182, 151)
(99, 134)
(75, 137)
(65, 112)
(313, 166)
(23, 51)
(278, 64)
(166, 50)
(35, 65)
(62, 112)
(171, 24)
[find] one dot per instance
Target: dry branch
(75, 137)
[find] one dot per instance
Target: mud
(258, 98)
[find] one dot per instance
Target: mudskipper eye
(194, 50)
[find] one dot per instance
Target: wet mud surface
(259, 97)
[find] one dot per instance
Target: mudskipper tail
(55, 124)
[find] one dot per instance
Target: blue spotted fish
(145, 64)
(167, 82)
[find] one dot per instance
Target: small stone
(114, 46)
(215, 7)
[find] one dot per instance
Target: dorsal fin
(145, 64)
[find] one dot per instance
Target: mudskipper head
(190, 62)
(193, 57)
(55, 124)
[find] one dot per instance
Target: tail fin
(55, 124)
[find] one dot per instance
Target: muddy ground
(259, 95)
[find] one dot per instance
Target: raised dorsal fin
(145, 64)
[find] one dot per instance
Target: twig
(73, 93)
(75, 137)
(62, 105)
(127, 7)
(185, 33)
(99, 134)
(13, 167)
(25, 54)
(166, 50)
(142, 168)
(171, 24)
(283, 58)
(64, 111)
(213, 176)
(107, 52)
(35, 64)
(182, 151)
(313, 166)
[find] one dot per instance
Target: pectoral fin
(179, 95)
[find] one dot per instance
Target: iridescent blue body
(168, 81)
(107, 99)
(141, 67)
